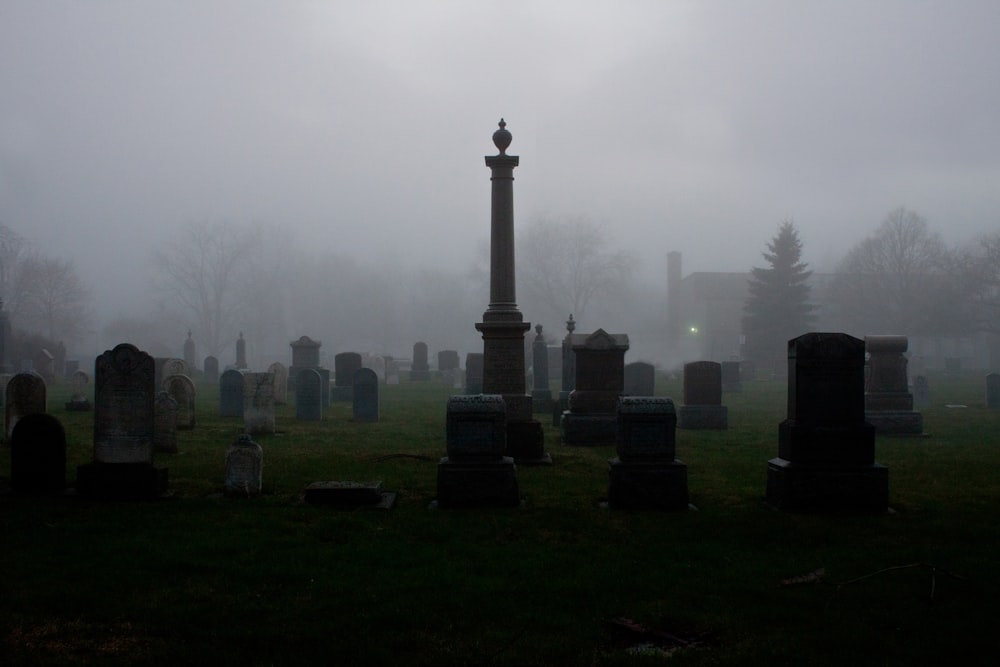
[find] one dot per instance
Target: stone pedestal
(823, 487)
(888, 401)
(600, 381)
(646, 474)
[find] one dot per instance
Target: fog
(359, 128)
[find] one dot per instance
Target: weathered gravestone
(124, 415)
(305, 354)
(165, 424)
(308, 396)
(80, 383)
(475, 473)
(646, 474)
(231, 393)
(449, 368)
(168, 367)
(244, 468)
(181, 389)
(189, 354)
(211, 366)
(365, 398)
(567, 374)
(826, 449)
(731, 380)
(993, 390)
(280, 373)
(888, 401)
(474, 373)
(541, 392)
(345, 365)
(38, 455)
(703, 409)
(600, 380)
(419, 368)
(241, 353)
(640, 379)
(921, 392)
(25, 396)
(258, 403)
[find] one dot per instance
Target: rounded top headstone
(502, 137)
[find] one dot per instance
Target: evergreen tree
(778, 307)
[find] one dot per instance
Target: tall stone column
(503, 326)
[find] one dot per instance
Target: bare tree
(978, 270)
(52, 299)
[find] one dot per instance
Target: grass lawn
(203, 579)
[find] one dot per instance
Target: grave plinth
(826, 449)
(703, 409)
(888, 401)
(600, 380)
(475, 473)
(646, 474)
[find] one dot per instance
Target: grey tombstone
(826, 449)
(646, 474)
(541, 392)
(888, 401)
(308, 395)
(305, 354)
(640, 379)
(449, 367)
(124, 416)
(345, 365)
(280, 373)
(79, 383)
(165, 424)
(391, 371)
(921, 392)
(365, 397)
(993, 391)
(258, 403)
(241, 352)
(189, 353)
(25, 395)
(244, 468)
(181, 389)
(475, 473)
(168, 368)
(474, 373)
(703, 409)
(731, 379)
(600, 380)
(211, 370)
(231, 393)
(325, 386)
(419, 368)
(38, 455)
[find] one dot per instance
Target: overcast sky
(361, 126)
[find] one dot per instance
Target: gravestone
(419, 368)
(165, 424)
(921, 392)
(38, 455)
(258, 403)
(241, 353)
(280, 373)
(640, 379)
(449, 368)
(376, 363)
(888, 401)
(703, 409)
(475, 472)
(169, 368)
(474, 373)
(181, 389)
(391, 371)
(646, 474)
(231, 393)
(541, 392)
(189, 354)
(124, 415)
(244, 468)
(826, 449)
(325, 385)
(592, 418)
(731, 380)
(567, 375)
(80, 385)
(345, 365)
(25, 395)
(211, 370)
(305, 354)
(365, 398)
(308, 396)
(993, 391)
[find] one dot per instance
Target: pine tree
(778, 307)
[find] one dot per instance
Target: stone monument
(419, 367)
(888, 401)
(647, 474)
(189, 353)
(541, 392)
(244, 468)
(241, 353)
(703, 408)
(600, 380)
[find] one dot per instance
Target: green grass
(203, 579)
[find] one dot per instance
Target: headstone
(541, 392)
(181, 389)
(280, 373)
(231, 388)
(921, 392)
(79, 388)
(38, 455)
(391, 371)
(124, 415)
(475, 473)
(189, 354)
(211, 371)
(993, 391)
(731, 380)
(258, 403)
(325, 386)
(826, 449)
(244, 468)
(165, 424)
(474, 373)
(646, 474)
(305, 354)
(449, 368)
(308, 396)
(419, 368)
(345, 365)
(703, 409)
(888, 401)
(365, 398)
(640, 379)
(241, 352)
(170, 367)
(25, 395)
(600, 380)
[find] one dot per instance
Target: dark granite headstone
(305, 354)
(646, 474)
(345, 365)
(419, 368)
(600, 381)
(231, 393)
(703, 409)
(211, 372)
(366, 403)
(244, 468)
(308, 396)
(38, 455)
(448, 360)
(241, 352)
(25, 395)
(189, 353)
(474, 373)
(640, 379)
(888, 401)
